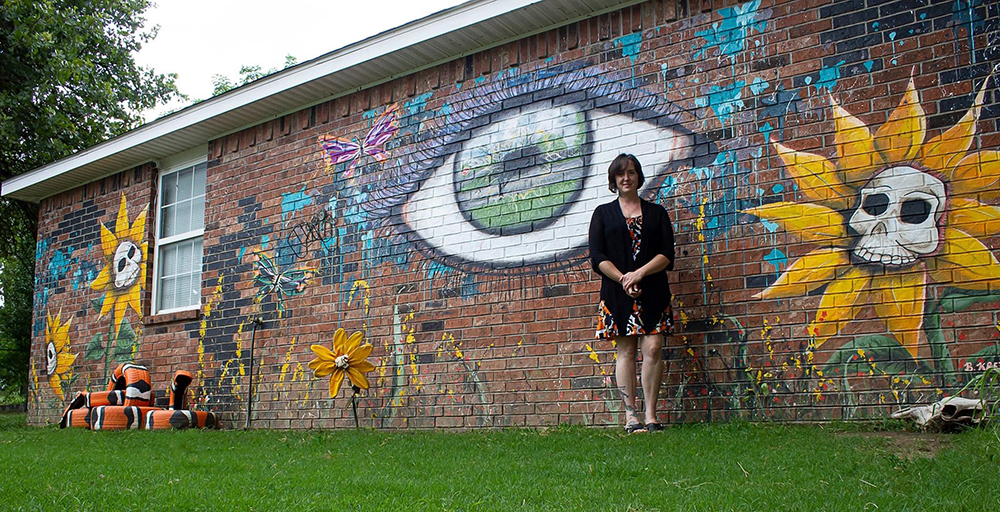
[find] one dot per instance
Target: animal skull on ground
(897, 216)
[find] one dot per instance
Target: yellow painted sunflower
(58, 360)
(124, 274)
(348, 358)
(894, 214)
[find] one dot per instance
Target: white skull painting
(897, 216)
(51, 358)
(126, 261)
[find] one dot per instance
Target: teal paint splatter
(59, 265)
(892, 35)
(630, 45)
(776, 259)
(759, 85)
(437, 269)
(550, 59)
(777, 189)
(809, 80)
(482, 79)
(875, 25)
(828, 77)
(766, 130)
(769, 226)
(725, 101)
(418, 103)
(370, 114)
(293, 202)
(445, 109)
(869, 64)
(729, 34)
(239, 255)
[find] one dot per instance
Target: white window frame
(174, 164)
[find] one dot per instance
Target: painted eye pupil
(914, 211)
(876, 204)
(131, 251)
(121, 264)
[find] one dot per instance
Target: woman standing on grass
(632, 247)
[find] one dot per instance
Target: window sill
(176, 316)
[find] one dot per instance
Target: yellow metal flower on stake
(347, 359)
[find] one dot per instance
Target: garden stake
(257, 320)
(354, 405)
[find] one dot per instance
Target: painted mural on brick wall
(115, 268)
(485, 189)
(835, 216)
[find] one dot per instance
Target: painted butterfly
(286, 283)
(337, 150)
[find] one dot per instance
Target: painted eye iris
(121, 265)
(131, 251)
(519, 191)
(527, 180)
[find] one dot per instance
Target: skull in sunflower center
(51, 358)
(897, 216)
(126, 264)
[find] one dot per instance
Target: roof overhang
(452, 33)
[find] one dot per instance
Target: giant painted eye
(126, 269)
(519, 189)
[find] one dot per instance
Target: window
(180, 224)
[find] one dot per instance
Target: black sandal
(634, 427)
(654, 427)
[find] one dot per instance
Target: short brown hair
(618, 165)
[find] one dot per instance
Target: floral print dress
(606, 328)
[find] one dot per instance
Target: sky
(199, 39)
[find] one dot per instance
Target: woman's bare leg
(625, 375)
(652, 373)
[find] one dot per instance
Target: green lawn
(704, 467)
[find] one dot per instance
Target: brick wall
(795, 144)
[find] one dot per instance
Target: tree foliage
(68, 81)
(222, 83)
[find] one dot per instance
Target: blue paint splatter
(759, 85)
(869, 64)
(725, 101)
(458, 86)
(371, 114)
(769, 226)
(809, 80)
(293, 202)
(776, 259)
(418, 103)
(630, 45)
(40, 248)
(437, 269)
(469, 286)
(766, 129)
(828, 77)
(892, 35)
(59, 265)
(777, 189)
(875, 25)
(445, 109)
(482, 79)
(240, 253)
(548, 60)
(729, 34)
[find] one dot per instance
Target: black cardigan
(610, 240)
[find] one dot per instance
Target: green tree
(222, 83)
(68, 80)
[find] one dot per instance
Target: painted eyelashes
(513, 189)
